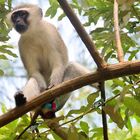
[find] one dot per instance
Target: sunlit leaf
(98, 133)
(4, 49)
(61, 16)
(114, 115)
(84, 126)
(56, 137)
(132, 104)
(72, 133)
(3, 57)
(125, 91)
(76, 111)
(83, 136)
(1, 72)
(92, 97)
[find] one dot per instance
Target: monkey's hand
(20, 99)
(54, 82)
(56, 79)
(48, 110)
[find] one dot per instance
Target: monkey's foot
(19, 98)
(47, 114)
(48, 110)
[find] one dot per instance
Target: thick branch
(82, 33)
(110, 72)
(117, 34)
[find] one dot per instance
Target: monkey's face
(19, 19)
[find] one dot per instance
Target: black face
(19, 18)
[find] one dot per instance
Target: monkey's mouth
(21, 28)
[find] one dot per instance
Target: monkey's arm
(33, 87)
(58, 65)
(30, 58)
(56, 76)
(30, 91)
(36, 82)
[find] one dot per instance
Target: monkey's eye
(22, 14)
(14, 17)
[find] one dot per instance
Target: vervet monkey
(43, 54)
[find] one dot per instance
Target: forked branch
(117, 33)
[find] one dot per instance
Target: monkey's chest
(43, 60)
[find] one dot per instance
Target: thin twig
(117, 33)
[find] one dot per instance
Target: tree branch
(117, 34)
(110, 72)
(82, 33)
(104, 120)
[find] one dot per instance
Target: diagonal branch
(110, 72)
(82, 33)
(117, 33)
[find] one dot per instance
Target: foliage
(4, 48)
(123, 107)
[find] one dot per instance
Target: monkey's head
(24, 16)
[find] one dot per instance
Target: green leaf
(61, 16)
(52, 10)
(75, 1)
(92, 97)
(118, 82)
(6, 46)
(114, 115)
(129, 125)
(1, 72)
(3, 49)
(84, 126)
(125, 91)
(4, 109)
(133, 54)
(132, 104)
(48, 12)
(83, 136)
(76, 111)
(72, 133)
(3, 57)
(2, 1)
(55, 136)
(98, 133)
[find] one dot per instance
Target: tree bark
(110, 72)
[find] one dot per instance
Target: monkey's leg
(56, 76)
(72, 70)
(29, 92)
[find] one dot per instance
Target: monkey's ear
(41, 12)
